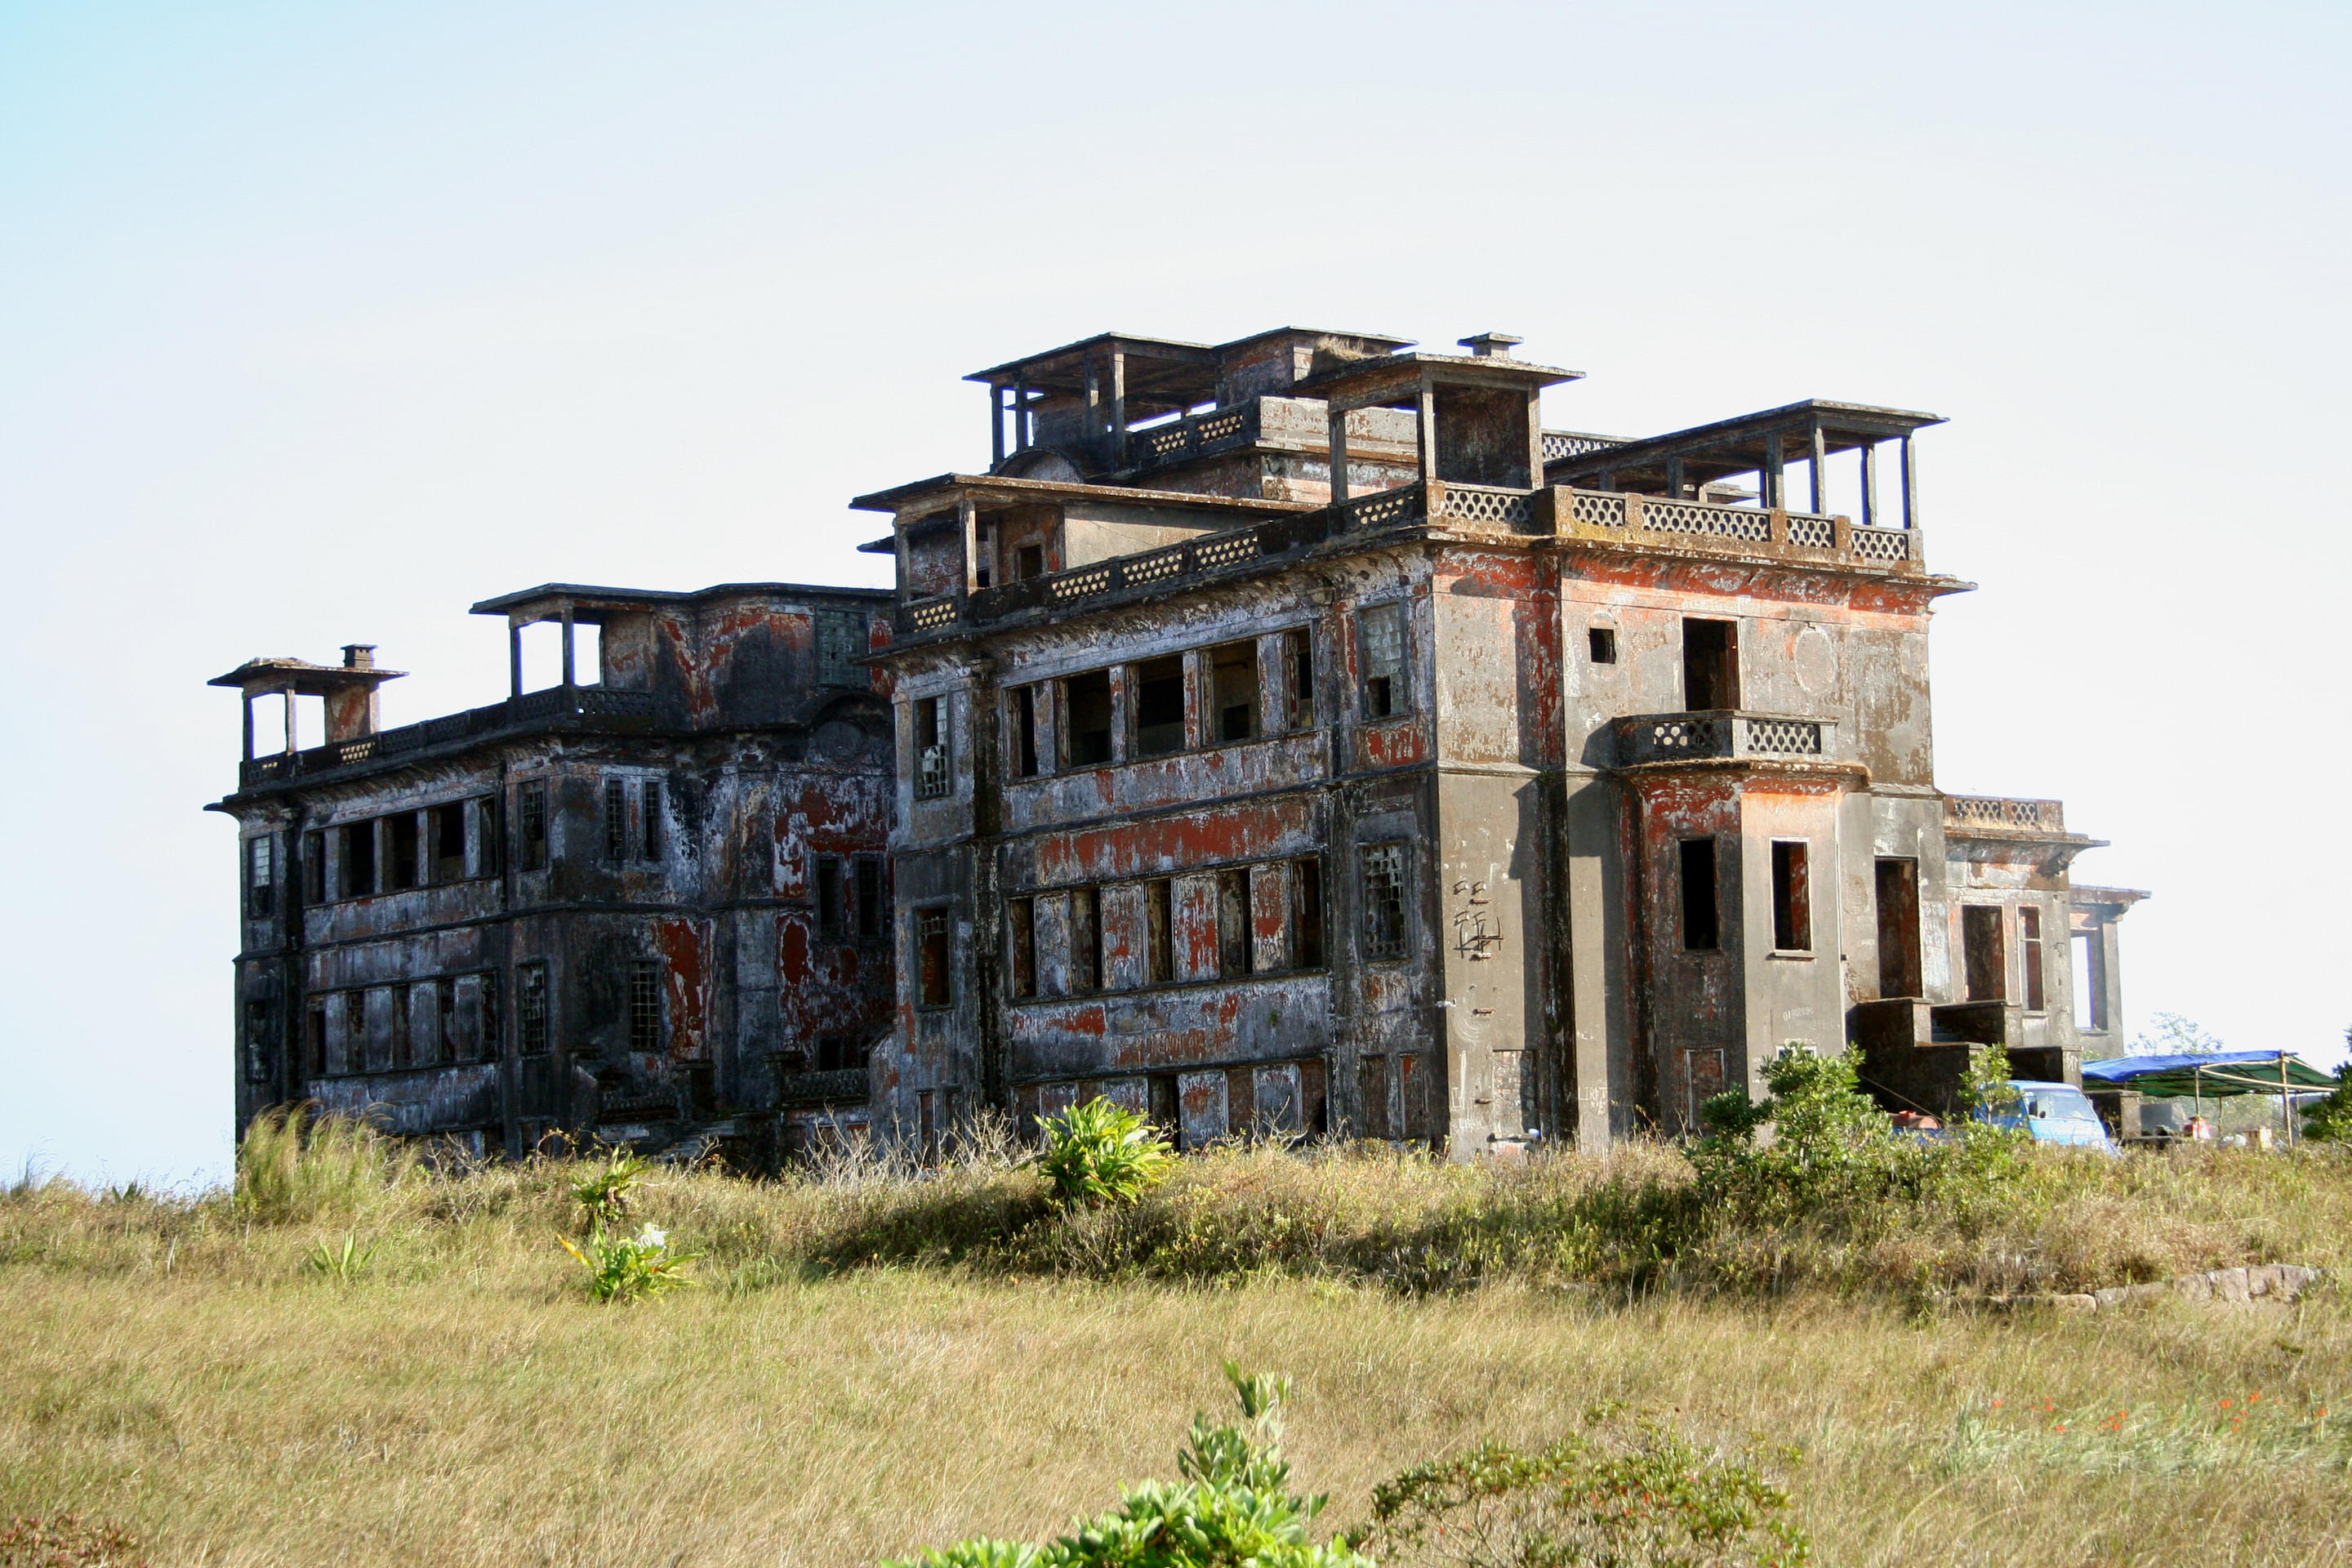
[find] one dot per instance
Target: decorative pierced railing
(1882, 543)
(929, 614)
(1479, 503)
(1722, 736)
(556, 703)
(1200, 436)
(833, 1087)
(2004, 813)
(1634, 514)
(1559, 444)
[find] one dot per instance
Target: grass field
(177, 1370)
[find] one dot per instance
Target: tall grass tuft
(296, 1165)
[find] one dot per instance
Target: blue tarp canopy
(2208, 1075)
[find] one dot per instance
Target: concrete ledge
(2233, 1287)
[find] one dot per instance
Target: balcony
(846, 1085)
(1199, 436)
(1658, 740)
(578, 707)
(1972, 813)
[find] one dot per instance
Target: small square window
(1600, 643)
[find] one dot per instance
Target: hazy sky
(323, 322)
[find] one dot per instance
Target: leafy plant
(343, 1265)
(2328, 1120)
(1232, 1510)
(628, 1267)
(1658, 1498)
(605, 1194)
(1098, 1154)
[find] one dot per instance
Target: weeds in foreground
(343, 1265)
(296, 1165)
(629, 1268)
(607, 1192)
(1098, 1154)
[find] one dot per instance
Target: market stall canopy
(2208, 1075)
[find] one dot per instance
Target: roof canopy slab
(349, 690)
(1476, 420)
(1763, 444)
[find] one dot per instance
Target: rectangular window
(1307, 914)
(532, 1009)
(403, 1044)
(931, 777)
(1086, 940)
(1984, 958)
(1158, 688)
(655, 807)
(840, 640)
(1898, 928)
(1380, 630)
(357, 852)
(1702, 924)
(446, 829)
(1233, 681)
(1710, 665)
(1024, 731)
(1158, 930)
(1601, 645)
(2090, 991)
(314, 1040)
(616, 820)
(314, 867)
(2029, 956)
(261, 876)
(935, 986)
(401, 836)
(258, 1042)
(830, 925)
(645, 1004)
(531, 820)
(489, 836)
(1298, 656)
(1021, 915)
(1086, 719)
(1383, 881)
(1236, 941)
(1028, 560)
(870, 902)
(355, 1031)
(833, 1054)
(1793, 898)
(492, 1041)
(444, 1019)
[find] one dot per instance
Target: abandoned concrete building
(1290, 734)
(647, 902)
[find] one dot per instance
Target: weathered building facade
(1294, 734)
(647, 903)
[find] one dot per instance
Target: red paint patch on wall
(680, 942)
(1172, 843)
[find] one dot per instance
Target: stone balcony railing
(1648, 739)
(2000, 813)
(558, 707)
(1197, 435)
(1650, 522)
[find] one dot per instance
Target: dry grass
(177, 1370)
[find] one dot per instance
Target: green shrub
(341, 1265)
(1655, 1499)
(1233, 1508)
(628, 1267)
(2328, 1120)
(605, 1192)
(1098, 1154)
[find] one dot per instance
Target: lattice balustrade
(1784, 737)
(1160, 444)
(1724, 522)
(2001, 812)
(930, 615)
(1385, 509)
(1595, 509)
(1154, 566)
(1216, 428)
(1679, 735)
(1484, 505)
(1881, 543)
(1224, 549)
(1559, 444)
(1814, 532)
(1083, 583)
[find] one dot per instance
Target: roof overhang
(1739, 445)
(302, 677)
(1399, 378)
(947, 489)
(589, 604)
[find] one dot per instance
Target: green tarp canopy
(2213, 1075)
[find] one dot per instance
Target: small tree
(2328, 1120)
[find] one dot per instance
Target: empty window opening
(829, 923)
(1381, 630)
(1372, 1088)
(1159, 686)
(490, 1038)
(542, 654)
(655, 811)
(1710, 665)
(1984, 957)
(930, 747)
(1160, 1092)
(355, 1031)
(935, 984)
(1029, 561)
(1021, 916)
(2029, 957)
(261, 876)
(314, 1040)
(645, 1004)
(256, 1039)
(1383, 884)
(403, 1044)
(1024, 731)
(1236, 938)
(1307, 914)
(314, 867)
(1085, 713)
(533, 1012)
(1601, 645)
(1898, 928)
(616, 820)
(358, 855)
(1158, 930)
(1086, 940)
(840, 640)
(2090, 988)
(401, 849)
(531, 819)
(867, 903)
(1232, 680)
(1793, 898)
(445, 827)
(445, 1020)
(489, 836)
(1298, 654)
(1702, 916)
(835, 1054)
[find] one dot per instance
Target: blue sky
(324, 320)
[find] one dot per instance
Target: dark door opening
(1898, 928)
(1710, 665)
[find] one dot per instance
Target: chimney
(359, 655)
(1491, 346)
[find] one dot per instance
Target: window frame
(924, 924)
(1793, 926)
(1396, 701)
(1380, 945)
(933, 758)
